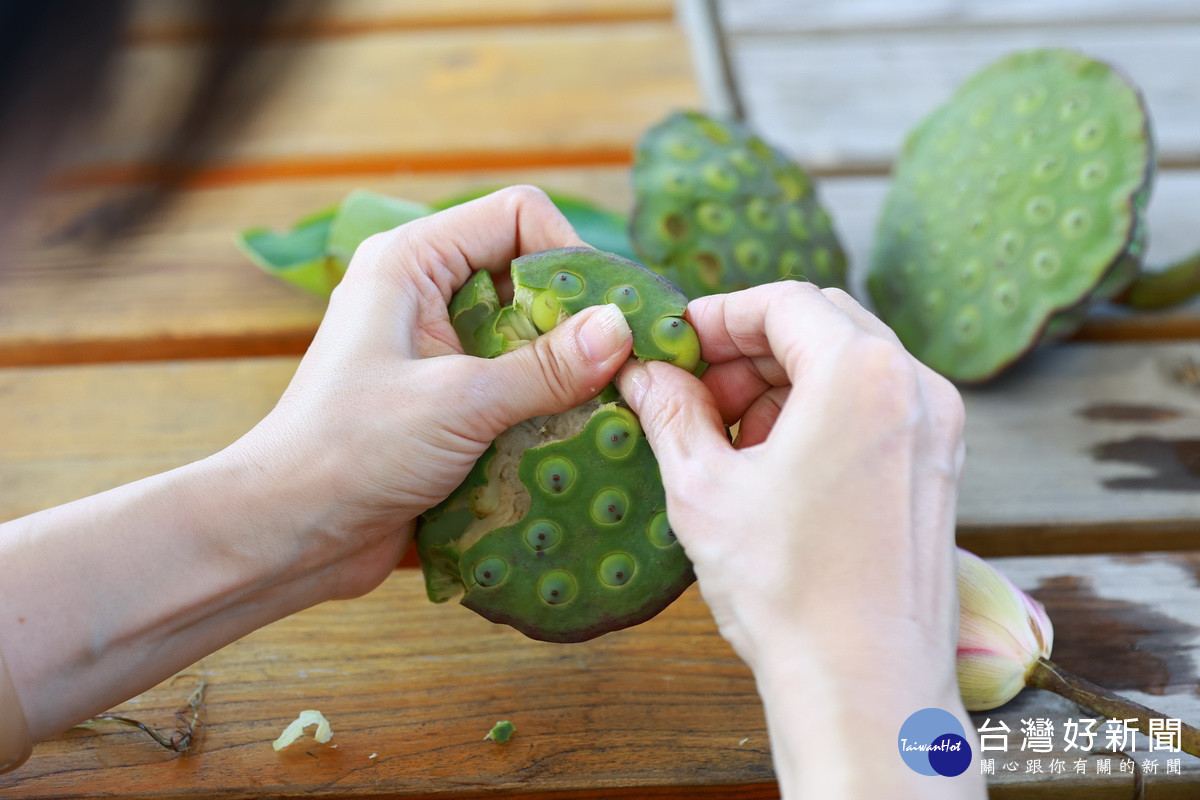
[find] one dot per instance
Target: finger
(737, 384)
(759, 419)
(677, 413)
(553, 373)
(864, 319)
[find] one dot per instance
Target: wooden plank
(844, 101)
(661, 710)
(414, 100)
(175, 19)
(775, 16)
(1085, 448)
(177, 287)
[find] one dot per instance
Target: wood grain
(661, 710)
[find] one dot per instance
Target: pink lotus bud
(1002, 634)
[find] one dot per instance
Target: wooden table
(1083, 478)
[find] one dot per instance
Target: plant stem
(1168, 287)
(1051, 677)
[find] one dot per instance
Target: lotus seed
(557, 587)
(1089, 135)
(675, 335)
(1004, 297)
(566, 285)
(675, 227)
(684, 148)
(1072, 107)
(970, 275)
(624, 297)
(543, 534)
(660, 532)
(616, 569)
(966, 324)
(1075, 223)
(1039, 210)
(618, 435)
(797, 224)
(720, 177)
(751, 255)
(1009, 244)
(761, 216)
(678, 182)
(1047, 168)
(1045, 262)
(491, 571)
(545, 310)
(744, 163)
(1092, 175)
(555, 475)
(609, 506)
(715, 218)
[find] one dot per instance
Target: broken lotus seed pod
(560, 530)
(1012, 207)
(718, 210)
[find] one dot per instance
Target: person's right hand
(823, 537)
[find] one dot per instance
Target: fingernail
(632, 381)
(603, 333)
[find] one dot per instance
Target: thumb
(677, 412)
(556, 371)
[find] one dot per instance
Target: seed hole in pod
(625, 298)
(1092, 175)
(1033, 134)
(1004, 297)
(999, 179)
(490, 571)
(675, 335)
(761, 215)
(1029, 99)
(616, 569)
(1089, 135)
(678, 182)
(566, 284)
(708, 268)
(1075, 223)
(761, 149)
(967, 323)
(751, 255)
(675, 227)
(609, 506)
(823, 262)
(970, 274)
(617, 435)
(714, 218)
(556, 475)
(797, 224)
(715, 131)
(1039, 209)
(977, 225)
(1009, 244)
(720, 177)
(659, 531)
(1045, 262)
(543, 534)
(557, 587)
(934, 300)
(1072, 106)
(1047, 168)
(982, 113)
(684, 148)
(793, 183)
(744, 163)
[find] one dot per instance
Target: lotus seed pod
(1012, 207)
(718, 209)
(560, 529)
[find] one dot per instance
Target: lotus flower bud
(1002, 634)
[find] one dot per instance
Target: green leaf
(363, 213)
(297, 256)
(501, 732)
(599, 227)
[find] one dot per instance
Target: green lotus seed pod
(560, 529)
(1012, 207)
(718, 209)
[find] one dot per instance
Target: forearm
(834, 730)
(106, 596)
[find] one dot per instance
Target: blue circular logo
(932, 742)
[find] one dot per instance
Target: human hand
(823, 537)
(385, 416)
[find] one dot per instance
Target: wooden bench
(1083, 479)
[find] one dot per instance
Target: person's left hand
(385, 415)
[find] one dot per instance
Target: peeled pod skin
(560, 529)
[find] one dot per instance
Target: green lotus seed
(794, 185)
(719, 177)
(823, 260)
(796, 223)
(970, 275)
(761, 216)
(982, 113)
(1075, 223)
(715, 218)
(1030, 99)
(760, 148)
(967, 323)
(1045, 262)
(659, 531)
(617, 435)
(545, 310)
(1072, 106)
(566, 285)
(714, 130)
(1039, 210)
(977, 225)
(616, 569)
(557, 587)
(609, 506)
(744, 163)
(490, 571)
(555, 475)
(1048, 168)
(1004, 297)
(934, 300)
(751, 255)
(675, 335)
(543, 534)
(674, 227)
(625, 298)
(1092, 175)
(683, 148)
(1089, 135)
(1009, 244)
